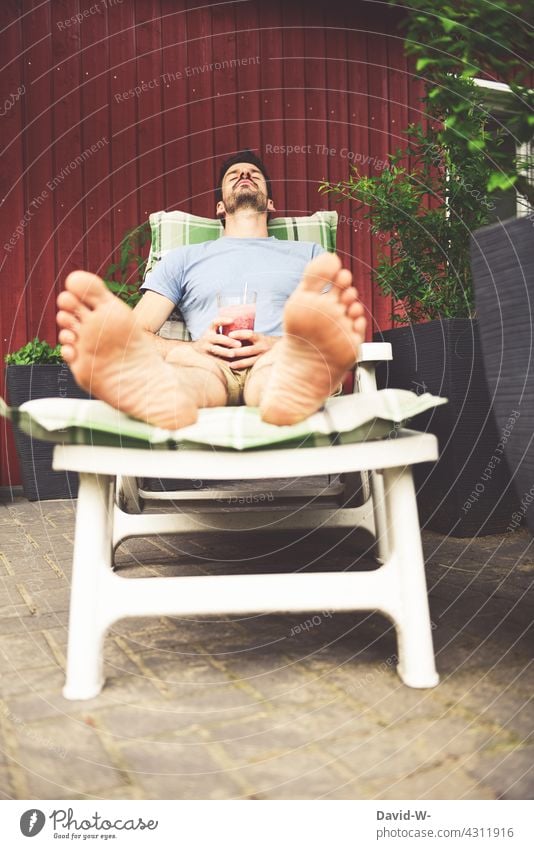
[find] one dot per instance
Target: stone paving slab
(508, 775)
(262, 707)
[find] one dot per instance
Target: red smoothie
(242, 315)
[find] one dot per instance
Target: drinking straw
(245, 292)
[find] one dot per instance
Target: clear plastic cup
(240, 306)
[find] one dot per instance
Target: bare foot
(322, 335)
(112, 359)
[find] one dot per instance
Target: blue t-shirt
(192, 275)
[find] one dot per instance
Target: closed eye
(236, 175)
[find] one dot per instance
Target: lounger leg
(380, 518)
(416, 653)
(91, 565)
(128, 495)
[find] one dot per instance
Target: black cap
(242, 156)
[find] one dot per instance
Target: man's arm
(153, 310)
(151, 313)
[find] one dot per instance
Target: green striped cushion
(354, 418)
(174, 229)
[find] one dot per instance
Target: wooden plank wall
(330, 76)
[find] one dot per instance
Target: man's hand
(258, 345)
(216, 344)
(229, 348)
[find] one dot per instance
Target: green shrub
(35, 353)
(438, 189)
(124, 277)
(422, 208)
(453, 42)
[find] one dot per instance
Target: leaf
(468, 73)
(448, 25)
(423, 62)
(501, 181)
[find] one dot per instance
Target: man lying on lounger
(309, 324)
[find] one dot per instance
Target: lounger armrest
(371, 353)
(376, 352)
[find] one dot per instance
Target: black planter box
(502, 259)
(468, 492)
(27, 383)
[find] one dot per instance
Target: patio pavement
(266, 707)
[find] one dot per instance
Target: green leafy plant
(438, 189)
(422, 208)
(35, 353)
(124, 277)
(452, 43)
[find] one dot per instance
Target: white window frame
(499, 98)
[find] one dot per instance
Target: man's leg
(202, 374)
(258, 378)
(322, 335)
(111, 357)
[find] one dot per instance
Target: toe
(68, 352)
(67, 337)
(67, 301)
(360, 326)
(355, 309)
(320, 271)
(343, 279)
(88, 288)
(348, 296)
(67, 320)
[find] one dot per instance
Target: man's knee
(257, 380)
(186, 357)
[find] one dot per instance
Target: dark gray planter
(468, 492)
(502, 258)
(26, 383)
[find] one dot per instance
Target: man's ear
(220, 210)
(270, 206)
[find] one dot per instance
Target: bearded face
(244, 187)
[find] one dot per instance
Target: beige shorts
(236, 381)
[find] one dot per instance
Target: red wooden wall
(330, 76)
